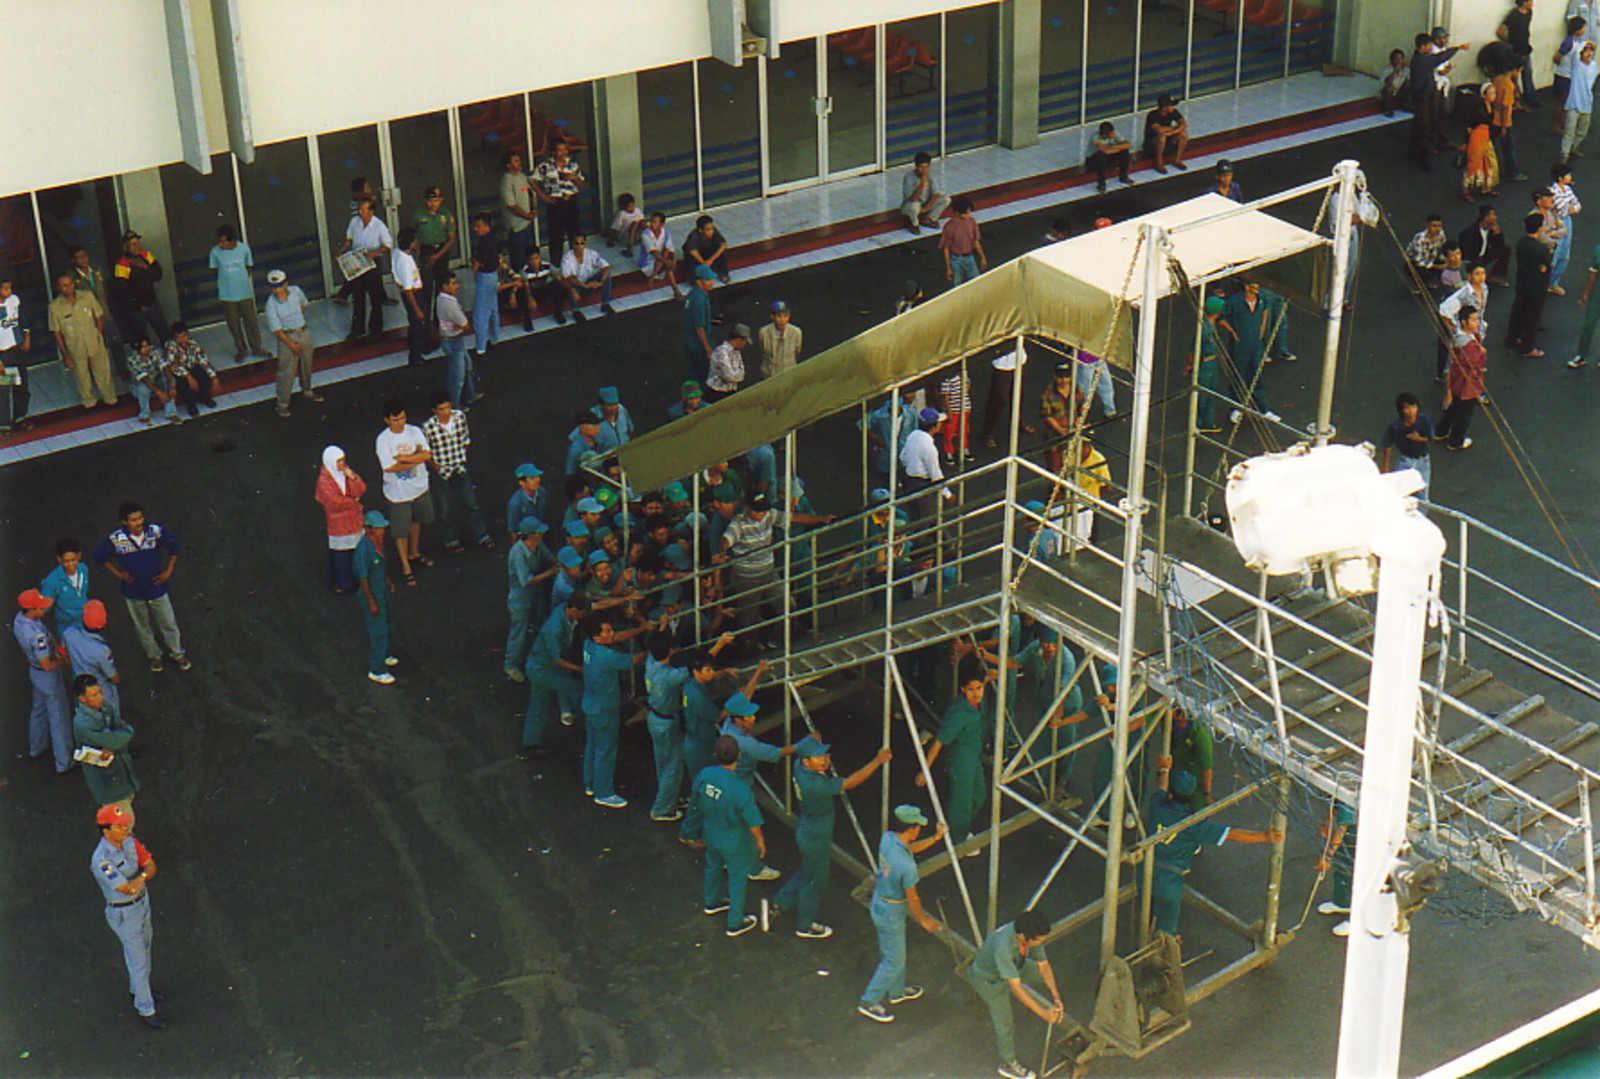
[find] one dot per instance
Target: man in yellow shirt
(77, 320)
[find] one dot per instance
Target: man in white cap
(286, 320)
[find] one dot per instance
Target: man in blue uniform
(1169, 806)
(894, 895)
(616, 426)
(961, 733)
(603, 665)
(124, 868)
(529, 499)
(702, 717)
(67, 585)
(50, 722)
(738, 716)
(529, 569)
(90, 654)
(1339, 853)
(1011, 954)
(372, 574)
(733, 835)
(664, 683)
(554, 677)
(813, 831)
(887, 436)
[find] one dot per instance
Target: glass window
(420, 147)
(1061, 64)
(22, 262)
(972, 77)
(196, 204)
(350, 164)
(81, 215)
(565, 112)
(791, 112)
(1163, 50)
(489, 130)
(281, 216)
(1311, 35)
(1111, 51)
(1266, 28)
(667, 140)
(730, 123)
(913, 92)
(853, 87)
(1213, 59)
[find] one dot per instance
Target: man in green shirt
(1010, 954)
(372, 574)
(1169, 807)
(1191, 752)
(733, 835)
(436, 236)
(961, 732)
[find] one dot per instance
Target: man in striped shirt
(752, 570)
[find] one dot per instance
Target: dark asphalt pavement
(365, 880)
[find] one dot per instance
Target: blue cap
(675, 556)
(703, 272)
(528, 471)
(569, 558)
(602, 532)
(675, 492)
(810, 746)
(880, 494)
(597, 557)
(590, 505)
(531, 526)
(909, 815)
(928, 415)
(1183, 783)
(740, 705)
(1034, 506)
(779, 307)
(576, 527)
(374, 519)
(608, 395)
(1048, 636)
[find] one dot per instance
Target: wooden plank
(1509, 717)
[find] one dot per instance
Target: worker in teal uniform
(1105, 710)
(702, 716)
(961, 734)
(1050, 666)
(666, 675)
(530, 499)
(1339, 854)
(1010, 956)
(530, 568)
(885, 430)
(603, 666)
(555, 678)
(1169, 806)
(894, 896)
(818, 789)
(372, 573)
(738, 716)
(733, 840)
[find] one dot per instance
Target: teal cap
(528, 471)
(569, 558)
(740, 705)
(531, 526)
(590, 505)
(909, 814)
(608, 395)
(703, 272)
(597, 557)
(1183, 783)
(576, 527)
(675, 492)
(374, 519)
(810, 746)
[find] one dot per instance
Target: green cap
(374, 519)
(909, 814)
(675, 492)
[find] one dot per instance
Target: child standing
(961, 244)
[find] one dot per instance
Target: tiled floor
(781, 215)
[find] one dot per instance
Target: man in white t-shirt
(586, 275)
(403, 455)
(368, 234)
(408, 279)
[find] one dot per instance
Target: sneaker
(1466, 444)
(1125, 180)
(153, 1021)
(716, 910)
(514, 675)
(566, 721)
(606, 308)
(765, 873)
(676, 814)
(1288, 357)
(1330, 907)
(612, 801)
(391, 661)
(183, 661)
(384, 679)
(1575, 363)
(876, 1012)
(1235, 416)
(156, 666)
(1015, 1071)
(1342, 929)
(588, 792)
(910, 992)
(147, 420)
(743, 927)
(816, 931)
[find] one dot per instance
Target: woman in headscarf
(339, 491)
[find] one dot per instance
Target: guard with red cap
(50, 721)
(124, 868)
(90, 654)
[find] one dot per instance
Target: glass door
(349, 162)
(795, 129)
(852, 95)
(421, 157)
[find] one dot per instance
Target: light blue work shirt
(233, 272)
(663, 686)
(897, 869)
(35, 639)
(614, 433)
(522, 566)
(602, 667)
(752, 750)
(550, 644)
(114, 865)
(520, 506)
(69, 593)
(287, 313)
(700, 713)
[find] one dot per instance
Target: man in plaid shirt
(448, 436)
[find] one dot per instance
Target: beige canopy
(1079, 292)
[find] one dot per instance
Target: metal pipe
(1588, 849)
(1348, 174)
(789, 443)
(1190, 451)
(1462, 572)
(1154, 242)
(1280, 823)
(1008, 553)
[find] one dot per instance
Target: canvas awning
(1080, 292)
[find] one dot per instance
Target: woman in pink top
(339, 491)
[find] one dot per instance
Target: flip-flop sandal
(422, 560)
(410, 579)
